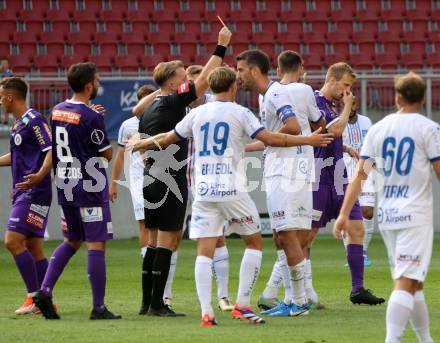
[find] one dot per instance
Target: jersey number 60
(403, 158)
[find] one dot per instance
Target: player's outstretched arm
(5, 160)
(338, 127)
(33, 179)
(216, 60)
(353, 192)
(144, 103)
(255, 146)
(162, 140)
(276, 139)
(116, 173)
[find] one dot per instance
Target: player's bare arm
(436, 167)
(354, 190)
(116, 173)
(338, 127)
(276, 139)
(291, 126)
(107, 154)
(5, 160)
(144, 103)
(201, 83)
(162, 140)
(33, 179)
(320, 124)
(351, 151)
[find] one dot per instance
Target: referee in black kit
(165, 222)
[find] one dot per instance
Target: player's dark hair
(81, 74)
(411, 87)
(255, 58)
(289, 61)
(144, 91)
(16, 84)
(221, 79)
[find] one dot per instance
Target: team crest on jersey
(91, 214)
(183, 88)
(17, 139)
(97, 136)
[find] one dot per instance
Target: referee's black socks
(147, 276)
(161, 269)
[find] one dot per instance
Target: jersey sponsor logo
(183, 88)
(97, 136)
(91, 214)
(218, 190)
(391, 216)
(278, 215)
(301, 212)
(35, 220)
(409, 259)
(47, 129)
(25, 120)
(242, 220)
(39, 135)
(66, 116)
(41, 210)
(17, 139)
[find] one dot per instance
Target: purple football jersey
(333, 150)
(30, 140)
(79, 138)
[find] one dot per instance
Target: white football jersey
(403, 146)
(276, 106)
(220, 131)
(354, 135)
(128, 128)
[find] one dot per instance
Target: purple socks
(41, 266)
(26, 266)
(97, 276)
(58, 261)
(355, 260)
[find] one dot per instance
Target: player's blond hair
(144, 91)
(165, 71)
(221, 79)
(411, 87)
(338, 70)
(194, 69)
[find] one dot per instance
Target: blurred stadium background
(127, 38)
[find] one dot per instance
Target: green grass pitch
(341, 322)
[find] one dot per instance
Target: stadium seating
(105, 27)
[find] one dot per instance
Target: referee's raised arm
(216, 60)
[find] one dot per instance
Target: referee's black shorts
(165, 211)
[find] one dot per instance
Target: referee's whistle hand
(224, 36)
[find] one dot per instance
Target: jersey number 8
(62, 139)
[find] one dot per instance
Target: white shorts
(289, 203)
(137, 197)
(368, 195)
(409, 251)
(208, 218)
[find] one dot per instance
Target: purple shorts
(90, 224)
(28, 219)
(327, 204)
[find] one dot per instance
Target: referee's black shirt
(165, 112)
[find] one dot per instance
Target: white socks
(249, 270)
(284, 268)
(143, 251)
(168, 293)
(311, 294)
(220, 266)
(400, 306)
(203, 276)
(420, 318)
(369, 230)
(274, 283)
(298, 284)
